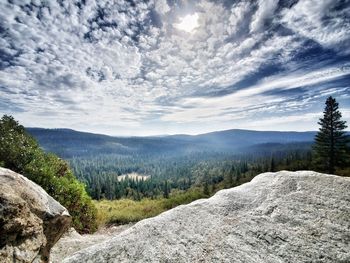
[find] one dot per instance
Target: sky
(167, 67)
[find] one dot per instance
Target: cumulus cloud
(326, 22)
(162, 7)
(106, 66)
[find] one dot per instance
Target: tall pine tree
(166, 190)
(331, 141)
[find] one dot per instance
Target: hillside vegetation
(20, 152)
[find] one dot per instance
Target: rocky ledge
(31, 221)
(277, 217)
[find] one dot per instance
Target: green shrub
(21, 153)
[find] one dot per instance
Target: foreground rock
(31, 221)
(72, 241)
(278, 217)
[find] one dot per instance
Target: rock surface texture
(72, 241)
(31, 221)
(278, 217)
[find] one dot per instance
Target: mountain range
(69, 143)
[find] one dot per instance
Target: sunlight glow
(188, 23)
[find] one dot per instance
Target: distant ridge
(69, 143)
(38, 129)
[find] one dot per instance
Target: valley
(133, 178)
(173, 131)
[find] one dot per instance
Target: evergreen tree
(166, 190)
(206, 187)
(272, 165)
(330, 146)
(230, 176)
(238, 177)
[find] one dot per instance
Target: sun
(188, 23)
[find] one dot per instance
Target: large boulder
(278, 217)
(31, 221)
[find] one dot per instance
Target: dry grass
(124, 211)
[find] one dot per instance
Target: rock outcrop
(31, 221)
(278, 217)
(72, 241)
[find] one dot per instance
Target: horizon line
(174, 134)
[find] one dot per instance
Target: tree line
(201, 170)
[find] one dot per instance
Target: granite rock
(277, 217)
(31, 221)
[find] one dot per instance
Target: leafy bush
(21, 153)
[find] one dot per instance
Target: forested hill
(68, 143)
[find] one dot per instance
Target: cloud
(98, 64)
(262, 97)
(323, 21)
(162, 7)
(266, 10)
